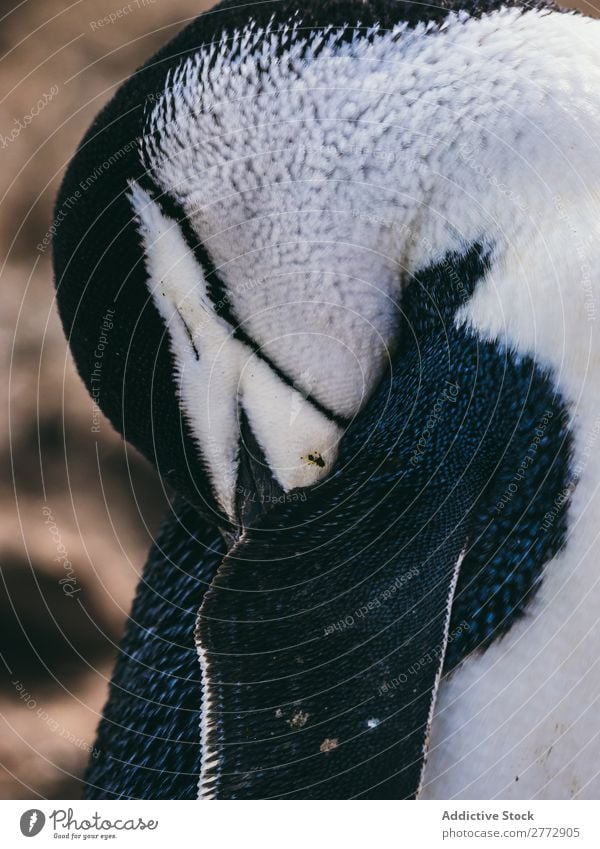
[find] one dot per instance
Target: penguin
(348, 252)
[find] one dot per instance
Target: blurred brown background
(77, 510)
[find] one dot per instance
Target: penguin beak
(322, 636)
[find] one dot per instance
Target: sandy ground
(66, 494)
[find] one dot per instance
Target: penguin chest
(521, 719)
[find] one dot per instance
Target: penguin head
(230, 335)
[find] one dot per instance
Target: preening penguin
(352, 253)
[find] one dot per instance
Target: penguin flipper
(320, 668)
(148, 744)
